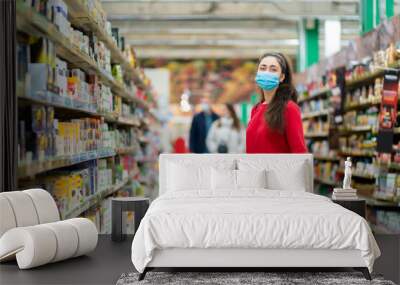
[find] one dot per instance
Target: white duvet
(253, 218)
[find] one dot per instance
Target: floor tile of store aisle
(103, 266)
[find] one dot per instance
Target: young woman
(275, 125)
(226, 134)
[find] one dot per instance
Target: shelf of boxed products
(359, 175)
(314, 95)
(326, 158)
(92, 200)
(380, 229)
(146, 159)
(31, 21)
(394, 166)
(316, 135)
(36, 167)
(84, 17)
(364, 78)
(358, 129)
(376, 203)
(68, 103)
(368, 76)
(375, 101)
(360, 153)
(327, 181)
(93, 20)
(316, 114)
(133, 121)
(126, 150)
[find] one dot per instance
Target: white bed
(216, 224)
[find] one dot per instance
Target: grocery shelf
(360, 175)
(365, 78)
(358, 153)
(379, 229)
(52, 99)
(81, 17)
(368, 77)
(364, 105)
(365, 176)
(316, 135)
(92, 200)
(358, 129)
(327, 158)
(126, 150)
(38, 167)
(376, 203)
(315, 95)
(129, 121)
(67, 103)
(394, 166)
(147, 159)
(31, 21)
(36, 24)
(309, 115)
(326, 181)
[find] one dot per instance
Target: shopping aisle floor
(103, 266)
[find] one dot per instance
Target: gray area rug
(228, 278)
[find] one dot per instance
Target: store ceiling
(188, 29)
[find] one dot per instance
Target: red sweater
(262, 139)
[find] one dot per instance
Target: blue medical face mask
(267, 80)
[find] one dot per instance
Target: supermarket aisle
(102, 266)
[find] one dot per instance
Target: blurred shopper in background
(180, 145)
(275, 125)
(201, 124)
(226, 134)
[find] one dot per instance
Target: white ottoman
(31, 233)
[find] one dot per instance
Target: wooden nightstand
(357, 206)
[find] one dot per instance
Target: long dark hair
(232, 114)
(285, 92)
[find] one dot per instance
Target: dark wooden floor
(103, 266)
(110, 260)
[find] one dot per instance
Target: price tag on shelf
(39, 95)
(92, 155)
(57, 99)
(68, 102)
(76, 158)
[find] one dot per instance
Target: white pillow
(282, 174)
(223, 179)
(283, 180)
(183, 178)
(251, 178)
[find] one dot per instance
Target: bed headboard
(283, 160)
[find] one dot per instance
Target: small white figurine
(347, 174)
